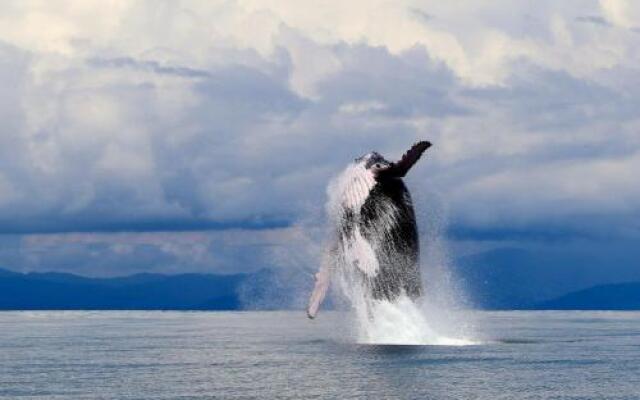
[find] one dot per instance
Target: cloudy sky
(175, 136)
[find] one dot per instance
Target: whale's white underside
(357, 188)
(347, 193)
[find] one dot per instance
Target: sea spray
(351, 264)
(435, 318)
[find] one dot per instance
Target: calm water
(177, 355)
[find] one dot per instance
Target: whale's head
(374, 162)
(382, 168)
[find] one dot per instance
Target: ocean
(283, 355)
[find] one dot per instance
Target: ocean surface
(282, 355)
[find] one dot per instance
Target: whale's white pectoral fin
(361, 254)
(323, 278)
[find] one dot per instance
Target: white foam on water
(402, 322)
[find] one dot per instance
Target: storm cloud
(179, 117)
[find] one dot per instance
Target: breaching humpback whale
(375, 239)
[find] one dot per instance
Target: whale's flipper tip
(319, 291)
(400, 168)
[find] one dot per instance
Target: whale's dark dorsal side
(398, 255)
(376, 233)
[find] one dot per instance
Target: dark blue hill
(622, 296)
(56, 291)
(61, 291)
(517, 278)
(4, 273)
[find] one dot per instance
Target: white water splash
(402, 322)
(398, 322)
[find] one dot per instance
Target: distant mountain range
(622, 296)
(57, 291)
(60, 291)
(516, 278)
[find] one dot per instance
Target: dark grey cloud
(113, 254)
(151, 66)
(541, 99)
(408, 85)
(595, 20)
(421, 15)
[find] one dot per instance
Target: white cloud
(124, 112)
(112, 254)
(618, 12)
